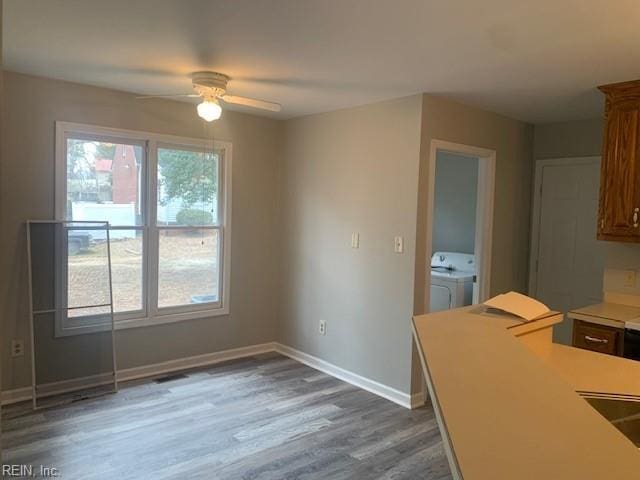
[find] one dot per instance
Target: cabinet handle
(595, 339)
(635, 217)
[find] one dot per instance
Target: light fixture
(209, 110)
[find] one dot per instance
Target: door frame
(537, 205)
(484, 211)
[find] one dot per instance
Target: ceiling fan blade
(168, 96)
(252, 102)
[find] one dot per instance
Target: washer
(452, 277)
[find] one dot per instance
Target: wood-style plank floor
(265, 417)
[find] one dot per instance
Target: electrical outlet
(17, 348)
(630, 278)
(322, 327)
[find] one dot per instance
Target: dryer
(452, 278)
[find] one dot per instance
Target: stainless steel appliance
(631, 340)
(622, 414)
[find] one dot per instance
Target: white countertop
(507, 413)
(610, 314)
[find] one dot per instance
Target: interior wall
(1, 221)
(352, 170)
(355, 170)
(31, 107)
(579, 138)
(444, 119)
(455, 200)
(584, 138)
(450, 121)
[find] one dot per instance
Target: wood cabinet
(619, 207)
(598, 338)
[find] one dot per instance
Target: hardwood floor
(266, 417)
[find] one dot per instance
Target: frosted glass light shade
(209, 110)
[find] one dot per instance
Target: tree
(81, 166)
(190, 176)
(105, 150)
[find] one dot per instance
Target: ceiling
(534, 61)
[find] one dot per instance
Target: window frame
(151, 313)
(64, 325)
(155, 229)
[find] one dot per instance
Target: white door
(570, 260)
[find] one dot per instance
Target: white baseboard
(418, 400)
(66, 386)
(16, 395)
(193, 362)
(56, 388)
(408, 401)
(372, 386)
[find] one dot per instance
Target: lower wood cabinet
(598, 338)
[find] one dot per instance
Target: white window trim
(150, 314)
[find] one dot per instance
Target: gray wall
(456, 195)
(584, 138)
(1, 174)
(447, 120)
(301, 187)
(352, 170)
(580, 138)
(31, 106)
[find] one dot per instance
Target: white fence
(114, 213)
(119, 214)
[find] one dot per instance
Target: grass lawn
(188, 266)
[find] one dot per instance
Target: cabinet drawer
(597, 338)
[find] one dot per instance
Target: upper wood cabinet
(619, 208)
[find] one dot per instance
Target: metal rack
(59, 306)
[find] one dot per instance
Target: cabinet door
(620, 178)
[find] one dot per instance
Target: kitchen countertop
(591, 373)
(506, 412)
(606, 313)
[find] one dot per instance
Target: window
(167, 201)
(104, 182)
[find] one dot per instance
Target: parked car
(79, 242)
(204, 298)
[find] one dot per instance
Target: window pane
(188, 267)
(187, 187)
(87, 270)
(88, 275)
(103, 182)
(126, 268)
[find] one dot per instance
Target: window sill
(141, 322)
(169, 318)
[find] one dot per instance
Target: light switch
(630, 278)
(398, 245)
(355, 240)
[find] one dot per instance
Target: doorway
(567, 262)
(461, 182)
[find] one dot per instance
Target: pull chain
(202, 180)
(203, 175)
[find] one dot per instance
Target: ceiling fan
(212, 87)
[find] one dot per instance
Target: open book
(519, 305)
